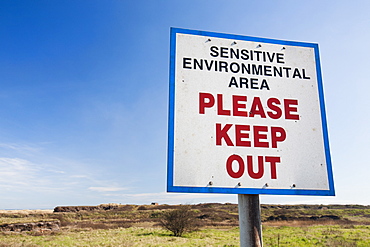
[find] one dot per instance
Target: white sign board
(246, 116)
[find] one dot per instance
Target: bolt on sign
(246, 116)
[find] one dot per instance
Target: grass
(134, 236)
(334, 235)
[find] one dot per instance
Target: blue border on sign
(171, 121)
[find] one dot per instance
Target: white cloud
(20, 147)
(107, 189)
(172, 198)
(16, 171)
(79, 176)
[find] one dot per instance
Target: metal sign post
(250, 220)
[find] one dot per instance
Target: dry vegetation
(330, 225)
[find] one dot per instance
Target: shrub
(179, 221)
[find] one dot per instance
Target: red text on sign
(262, 136)
(287, 108)
(251, 169)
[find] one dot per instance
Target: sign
(246, 116)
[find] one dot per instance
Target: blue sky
(84, 94)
